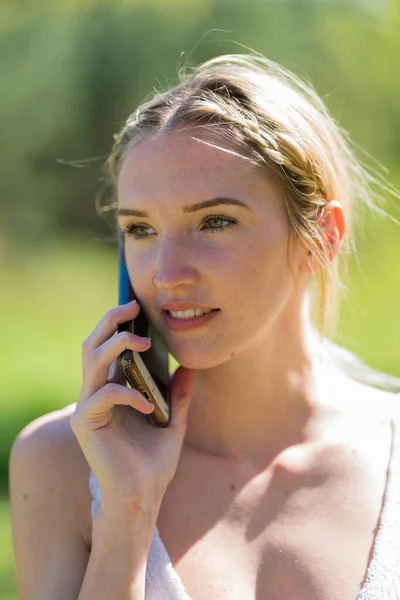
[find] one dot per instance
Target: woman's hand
(132, 460)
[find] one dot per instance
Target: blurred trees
(72, 72)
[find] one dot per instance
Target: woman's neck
(258, 403)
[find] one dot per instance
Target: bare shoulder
(355, 398)
(50, 509)
(378, 404)
(361, 413)
(47, 451)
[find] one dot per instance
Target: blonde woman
(279, 475)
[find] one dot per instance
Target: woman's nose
(176, 265)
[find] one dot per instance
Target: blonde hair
(280, 124)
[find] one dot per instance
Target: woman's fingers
(107, 326)
(115, 374)
(96, 411)
(97, 365)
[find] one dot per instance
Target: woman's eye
(214, 223)
(136, 231)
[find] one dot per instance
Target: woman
(235, 191)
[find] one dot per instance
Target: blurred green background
(71, 73)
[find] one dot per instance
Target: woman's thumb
(181, 391)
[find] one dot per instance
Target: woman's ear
(332, 227)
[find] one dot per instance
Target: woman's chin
(199, 359)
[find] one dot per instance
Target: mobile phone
(147, 371)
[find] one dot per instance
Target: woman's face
(232, 257)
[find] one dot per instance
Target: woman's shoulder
(355, 396)
(51, 431)
(50, 449)
(376, 402)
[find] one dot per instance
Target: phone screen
(151, 366)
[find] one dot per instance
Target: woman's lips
(176, 324)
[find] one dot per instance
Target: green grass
(8, 586)
(53, 297)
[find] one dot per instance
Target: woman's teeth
(190, 313)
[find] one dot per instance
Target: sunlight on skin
(242, 269)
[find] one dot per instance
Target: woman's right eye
(136, 231)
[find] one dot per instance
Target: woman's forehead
(190, 159)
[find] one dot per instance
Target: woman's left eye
(218, 219)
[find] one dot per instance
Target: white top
(383, 574)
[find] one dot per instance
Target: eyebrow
(187, 209)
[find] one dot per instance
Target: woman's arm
(50, 513)
(47, 474)
(117, 564)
